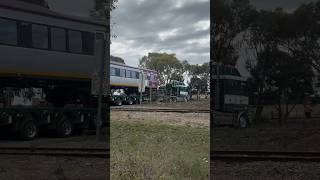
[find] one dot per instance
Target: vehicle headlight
(4, 115)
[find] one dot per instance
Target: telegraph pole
(103, 49)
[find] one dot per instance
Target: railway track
(239, 156)
(174, 110)
(67, 152)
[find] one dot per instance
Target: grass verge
(157, 151)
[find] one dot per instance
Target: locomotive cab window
(40, 36)
(8, 32)
(75, 41)
(58, 39)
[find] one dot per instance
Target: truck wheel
(130, 101)
(118, 102)
(28, 130)
(243, 122)
(64, 128)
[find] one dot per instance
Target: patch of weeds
(157, 151)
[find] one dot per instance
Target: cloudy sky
(173, 26)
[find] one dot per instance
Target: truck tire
(130, 101)
(118, 102)
(28, 129)
(243, 122)
(64, 128)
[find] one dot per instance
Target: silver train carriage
(42, 48)
(37, 42)
(124, 76)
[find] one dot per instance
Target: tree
(102, 6)
(230, 20)
(200, 77)
(281, 67)
(117, 59)
(167, 65)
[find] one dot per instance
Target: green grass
(144, 151)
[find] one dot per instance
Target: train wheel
(28, 130)
(64, 128)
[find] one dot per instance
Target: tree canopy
(167, 65)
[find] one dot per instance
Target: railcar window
(40, 36)
(58, 39)
(122, 72)
(75, 41)
(128, 74)
(88, 42)
(117, 72)
(137, 76)
(25, 34)
(112, 71)
(8, 32)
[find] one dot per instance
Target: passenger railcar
(127, 81)
(56, 53)
(36, 42)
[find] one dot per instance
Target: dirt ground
(265, 171)
(292, 136)
(201, 104)
(53, 168)
(176, 119)
(295, 135)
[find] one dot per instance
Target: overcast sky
(173, 26)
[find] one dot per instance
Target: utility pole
(103, 49)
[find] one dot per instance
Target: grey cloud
(141, 23)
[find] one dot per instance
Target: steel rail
(282, 156)
(67, 152)
(175, 110)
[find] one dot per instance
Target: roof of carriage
(124, 65)
(40, 10)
